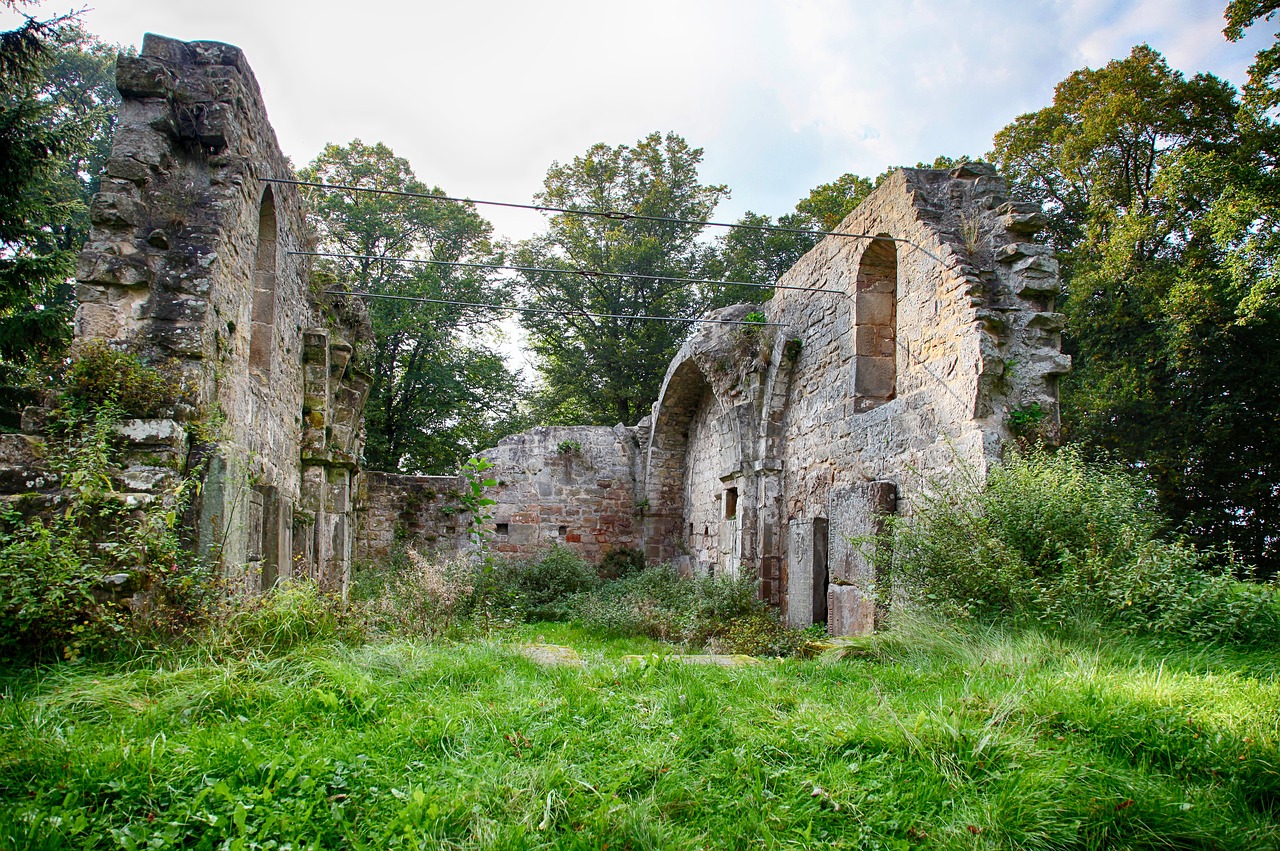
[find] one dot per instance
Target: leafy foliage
(608, 370)
(61, 562)
(100, 375)
(440, 390)
(57, 114)
(656, 602)
(1161, 202)
(1056, 539)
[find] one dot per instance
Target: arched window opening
(875, 325)
(262, 331)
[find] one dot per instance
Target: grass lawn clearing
(928, 738)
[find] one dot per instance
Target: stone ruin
(890, 365)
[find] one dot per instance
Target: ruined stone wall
(889, 365)
(565, 485)
(892, 362)
(191, 259)
(421, 511)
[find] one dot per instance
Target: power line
(604, 214)
(425, 300)
(586, 273)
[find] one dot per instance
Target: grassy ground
(927, 739)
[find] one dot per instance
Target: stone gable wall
(191, 260)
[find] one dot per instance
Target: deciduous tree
(441, 392)
(1146, 176)
(608, 370)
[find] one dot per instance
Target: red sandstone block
(573, 539)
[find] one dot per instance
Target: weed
(1053, 538)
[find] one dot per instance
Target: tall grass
(934, 736)
(1055, 539)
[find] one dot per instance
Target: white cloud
(482, 96)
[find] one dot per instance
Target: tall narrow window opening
(262, 332)
(875, 326)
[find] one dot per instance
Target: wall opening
(875, 325)
(730, 503)
(262, 331)
(821, 578)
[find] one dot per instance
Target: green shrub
(721, 614)
(538, 586)
(293, 614)
(100, 375)
(621, 562)
(55, 600)
(1053, 538)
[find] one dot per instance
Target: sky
(481, 97)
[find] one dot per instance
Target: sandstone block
(850, 611)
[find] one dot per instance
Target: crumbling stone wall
(191, 261)
(891, 363)
(424, 511)
(890, 369)
(565, 485)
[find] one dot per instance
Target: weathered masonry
(904, 357)
(902, 360)
(189, 262)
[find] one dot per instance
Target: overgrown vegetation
(70, 563)
(931, 737)
(1054, 538)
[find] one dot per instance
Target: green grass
(927, 738)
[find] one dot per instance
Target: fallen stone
(551, 654)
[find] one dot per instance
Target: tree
(756, 254)
(1144, 175)
(440, 393)
(57, 112)
(608, 370)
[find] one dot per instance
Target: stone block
(874, 308)
(857, 514)
(874, 377)
(156, 435)
(850, 611)
(806, 572)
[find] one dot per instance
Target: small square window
(504, 529)
(730, 503)
(562, 531)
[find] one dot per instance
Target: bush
(539, 587)
(413, 594)
(1053, 538)
(100, 375)
(72, 569)
(621, 562)
(720, 614)
(293, 614)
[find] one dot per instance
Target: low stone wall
(421, 511)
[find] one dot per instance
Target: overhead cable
(586, 273)
(604, 214)
(425, 300)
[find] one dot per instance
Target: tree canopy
(608, 370)
(440, 391)
(58, 105)
(1151, 182)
